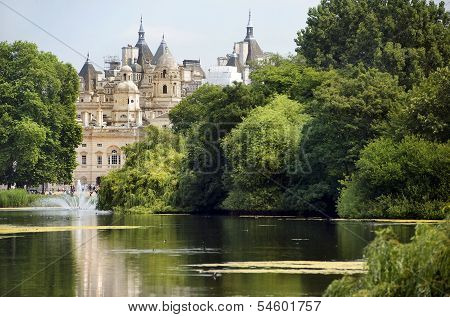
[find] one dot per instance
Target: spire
(141, 31)
(145, 55)
(249, 26)
(87, 58)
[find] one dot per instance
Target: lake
(164, 256)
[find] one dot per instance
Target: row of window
(85, 145)
(113, 159)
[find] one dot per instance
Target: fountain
(78, 200)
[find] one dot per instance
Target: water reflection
(152, 261)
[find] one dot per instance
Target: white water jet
(78, 200)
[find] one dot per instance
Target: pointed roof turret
(233, 60)
(145, 54)
(89, 75)
(254, 51)
(160, 51)
(249, 26)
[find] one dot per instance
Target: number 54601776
(300, 305)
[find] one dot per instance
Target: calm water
(152, 261)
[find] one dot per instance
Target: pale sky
(193, 29)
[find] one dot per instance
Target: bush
(407, 179)
(16, 198)
(418, 268)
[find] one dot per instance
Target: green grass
(17, 198)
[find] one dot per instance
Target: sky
(194, 29)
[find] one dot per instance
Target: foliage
(287, 76)
(418, 268)
(17, 198)
(149, 178)
(260, 151)
(427, 111)
(407, 38)
(38, 130)
(347, 113)
(205, 118)
(407, 179)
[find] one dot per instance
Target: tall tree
(260, 152)
(347, 113)
(427, 110)
(206, 118)
(407, 38)
(38, 130)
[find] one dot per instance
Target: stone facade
(114, 105)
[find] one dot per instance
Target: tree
(426, 112)
(407, 38)
(149, 178)
(260, 151)
(407, 179)
(347, 112)
(205, 118)
(288, 76)
(38, 128)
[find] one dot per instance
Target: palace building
(115, 104)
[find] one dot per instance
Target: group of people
(90, 188)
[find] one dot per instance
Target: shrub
(407, 179)
(418, 268)
(16, 198)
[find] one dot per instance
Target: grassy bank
(17, 198)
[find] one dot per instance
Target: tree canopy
(347, 112)
(260, 152)
(406, 38)
(149, 179)
(407, 179)
(38, 128)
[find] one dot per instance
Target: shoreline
(255, 216)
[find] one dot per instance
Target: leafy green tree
(149, 178)
(288, 76)
(205, 118)
(38, 128)
(407, 38)
(426, 112)
(407, 179)
(260, 151)
(347, 112)
(418, 268)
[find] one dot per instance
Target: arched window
(124, 77)
(164, 89)
(114, 158)
(164, 73)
